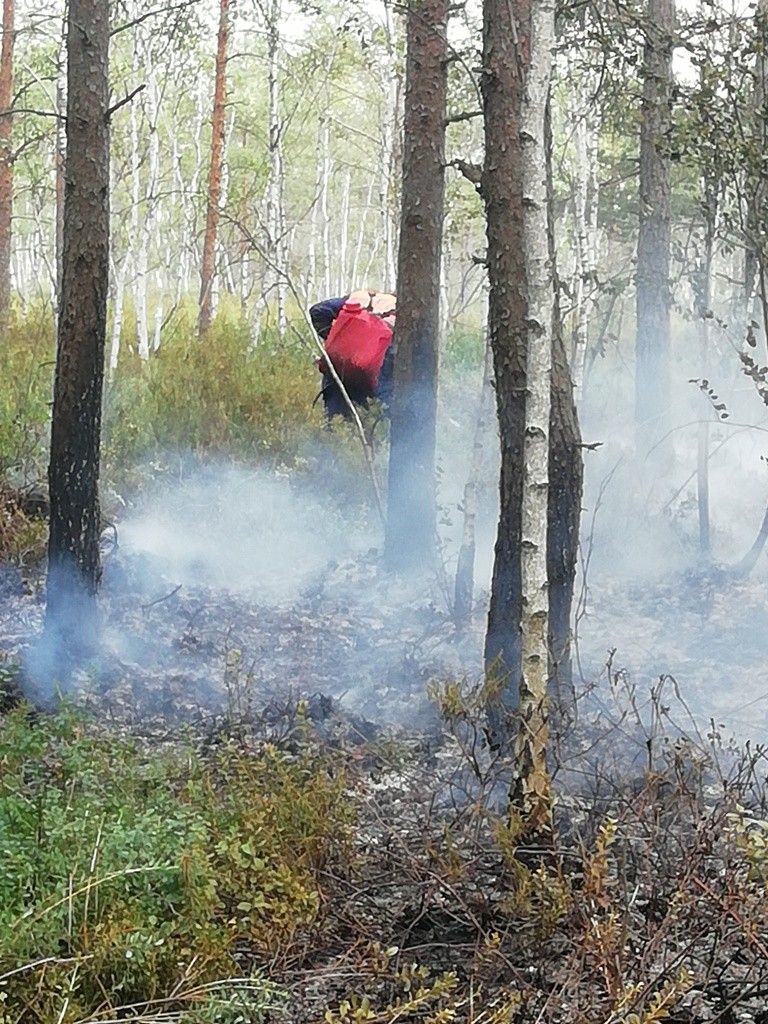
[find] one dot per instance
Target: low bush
(126, 878)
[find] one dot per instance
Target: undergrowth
(127, 875)
(199, 879)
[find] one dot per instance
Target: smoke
(648, 595)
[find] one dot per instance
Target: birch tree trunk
(585, 118)
(464, 585)
(709, 198)
(6, 157)
(205, 314)
(653, 246)
(118, 307)
(411, 527)
(327, 166)
(531, 788)
(391, 158)
(754, 256)
(73, 473)
(138, 236)
(504, 42)
(275, 188)
(506, 47)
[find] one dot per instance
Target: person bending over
(366, 376)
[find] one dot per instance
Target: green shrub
(126, 876)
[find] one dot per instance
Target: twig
(126, 99)
(159, 600)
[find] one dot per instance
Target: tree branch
(151, 14)
(467, 115)
(12, 111)
(126, 99)
(472, 172)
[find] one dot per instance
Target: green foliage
(26, 375)
(137, 877)
(216, 395)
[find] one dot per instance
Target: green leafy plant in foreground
(126, 877)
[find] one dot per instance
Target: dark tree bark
(6, 157)
(410, 537)
(566, 482)
(73, 473)
(653, 244)
(205, 314)
(502, 189)
(504, 62)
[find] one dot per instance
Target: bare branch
(126, 99)
(472, 172)
(467, 115)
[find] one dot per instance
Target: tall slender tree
(410, 539)
(519, 224)
(6, 156)
(653, 244)
(218, 129)
(73, 472)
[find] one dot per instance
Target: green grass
(127, 875)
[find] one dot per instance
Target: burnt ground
(180, 651)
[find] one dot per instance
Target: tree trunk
(709, 197)
(138, 227)
(61, 151)
(73, 473)
(566, 480)
(411, 528)
(205, 314)
(504, 54)
(502, 188)
(6, 157)
(531, 787)
(653, 245)
(465, 566)
(276, 247)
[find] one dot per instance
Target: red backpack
(356, 345)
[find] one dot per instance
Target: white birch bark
(275, 187)
(585, 201)
(391, 158)
(532, 782)
(138, 237)
(362, 228)
(118, 305)
(325, 218)
(61, 149)
(344, 283)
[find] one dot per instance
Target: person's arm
(322, 314)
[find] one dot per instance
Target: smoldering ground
(236, 586)
(229, 584)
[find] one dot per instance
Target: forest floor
(292, 741)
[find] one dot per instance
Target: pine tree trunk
(6, 157)
(73, 474)
(566, 480)
(653, 246)
(205, 314)
(411, 528)
(502, 189)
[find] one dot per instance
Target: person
(323, 314)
